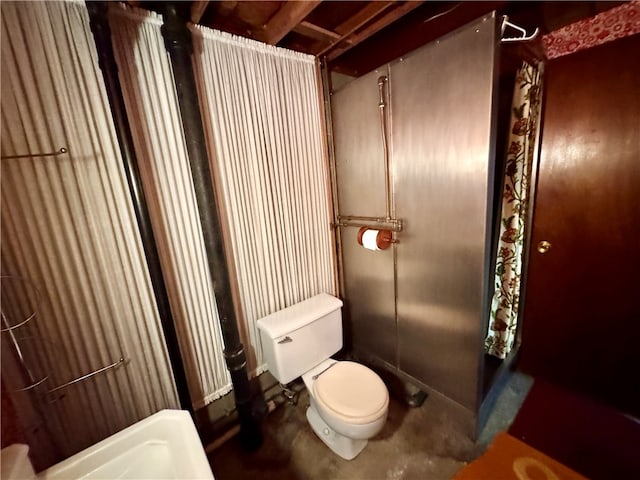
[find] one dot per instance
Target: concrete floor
(416, 443)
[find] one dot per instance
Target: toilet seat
(352, 393)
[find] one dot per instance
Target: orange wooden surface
(510, 459)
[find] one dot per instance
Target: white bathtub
(163, 446)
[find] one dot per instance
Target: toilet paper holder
(377, 239)
(385, 228)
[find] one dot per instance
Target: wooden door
(581, 325)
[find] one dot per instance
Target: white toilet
(349, 402)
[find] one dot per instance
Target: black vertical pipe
(178, 43)
(99, 22)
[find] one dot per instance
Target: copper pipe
(382, 80)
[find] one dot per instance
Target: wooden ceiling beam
(316, 32)
(362, 17)
(356, 38)
(410, 32)
(197, 10)
(353, 23)
(285, 20)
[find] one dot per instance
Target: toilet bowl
(348, 401)
(348, 405)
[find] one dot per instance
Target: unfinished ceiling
(355, 37)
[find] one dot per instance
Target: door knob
(544, 246)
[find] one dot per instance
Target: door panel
(582, 317)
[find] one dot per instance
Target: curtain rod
(523, 33)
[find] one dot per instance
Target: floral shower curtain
(523, 133)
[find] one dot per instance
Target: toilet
(348, 401)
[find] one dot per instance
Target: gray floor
(416, 443)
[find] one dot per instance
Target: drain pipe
(99, 22)
(178, 42)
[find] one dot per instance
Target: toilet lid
(352, 391)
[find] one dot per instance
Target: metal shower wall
(360, 170)
(443, 119)
(425, 313)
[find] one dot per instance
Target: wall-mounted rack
(25, 364)
(60, 151)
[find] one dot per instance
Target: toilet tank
(298, 338)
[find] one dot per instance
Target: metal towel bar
(61, 151)
(89, 375)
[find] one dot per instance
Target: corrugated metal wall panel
(68, 226)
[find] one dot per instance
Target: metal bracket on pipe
(379, 223)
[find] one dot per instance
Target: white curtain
(272, 109)
(152, 108)
(68, 228)
(261, 109)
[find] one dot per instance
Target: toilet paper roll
(370, 239)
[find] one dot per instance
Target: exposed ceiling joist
(357, 36)
(413, 31)
(372, 28)
(197, 10)
(368, 13)
(285, 20)
(349, 26)
(311, 30)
